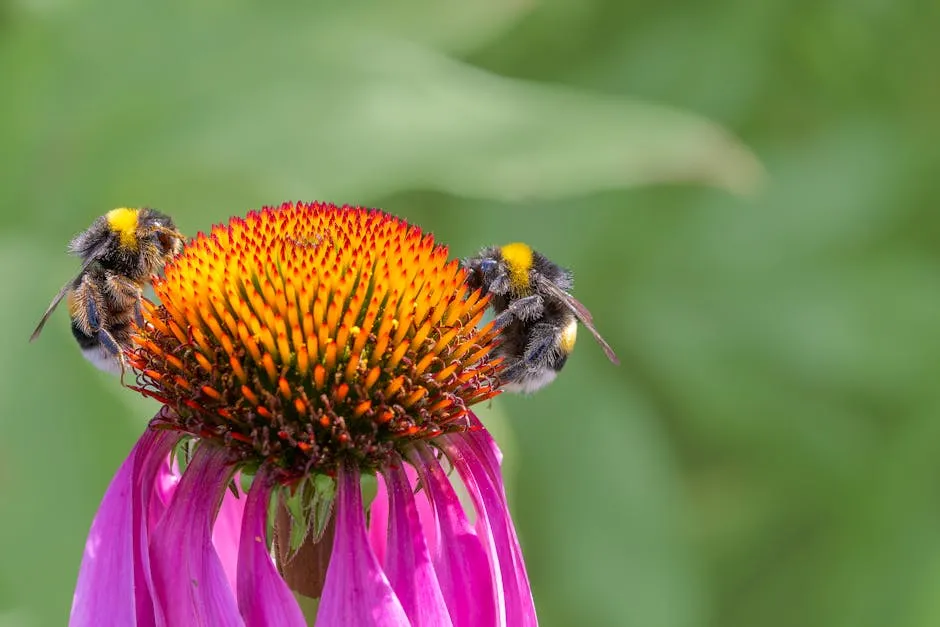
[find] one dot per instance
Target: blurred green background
(766, 454)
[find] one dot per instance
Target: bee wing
(90, 259)
(55, 303)
(580, 311)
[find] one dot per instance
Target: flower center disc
(311, 333)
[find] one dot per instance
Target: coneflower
(296, 351)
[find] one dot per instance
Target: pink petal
(188, 577)
(378, 521)
(166, 479)
(473, 463)
(152, 464)
(408, 566)
(263, 597)
(117, 546)
(486, 447)
(227, 530)
(491, 458)
(460, 561)
(356, 591)
(106, 579)
(426, 513)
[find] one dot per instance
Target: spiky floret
(308, 334)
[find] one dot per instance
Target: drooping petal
(486, 447)
(104, 594)
(263, 598)
(166, 480)
(378, 521)
(490, 458)
(188, 577)
(154, 481)
(493, 520)
(426, 513)
(227, 531)
(356, 591)
(408, 564)
(461, 562)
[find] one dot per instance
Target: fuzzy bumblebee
(120, 252)
(531, 299)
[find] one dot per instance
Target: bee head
(157, 232)
(487, 266)
(500, 270)
(481, 269)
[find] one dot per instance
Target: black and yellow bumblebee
(532, 302)
(120, 252)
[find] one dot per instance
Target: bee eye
(487, 265)
(165, 241)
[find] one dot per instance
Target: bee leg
(540, 361)
(500, 284)
(87, 329)
(525, 308)
(107, 340)
(541, 349)
(512, 373)
(121, 288)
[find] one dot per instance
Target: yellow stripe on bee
(518, 257)
(568, 337)
(123, 221)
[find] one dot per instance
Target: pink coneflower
(297, 351)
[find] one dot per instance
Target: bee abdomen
(85, 341)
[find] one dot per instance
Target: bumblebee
(120, 252)
(531, 300)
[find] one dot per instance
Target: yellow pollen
(123, 221)
(518, 257)
(568, 337)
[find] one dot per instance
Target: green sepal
(324, 492)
